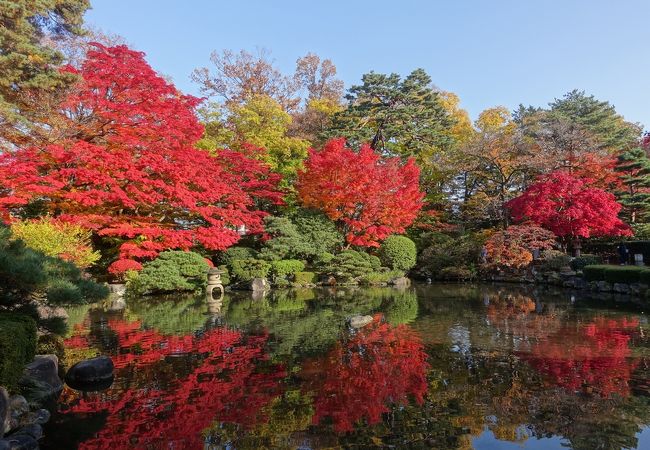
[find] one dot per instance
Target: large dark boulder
(259, 284)
(91, 374)
(40, 381)
(21, 442)
(4, 410)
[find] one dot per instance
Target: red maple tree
(598, 171)
(570, 207)
(370, 197)
(126, 165)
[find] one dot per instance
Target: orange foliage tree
(368, 196)
(513, 246)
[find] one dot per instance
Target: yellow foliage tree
(462, 129)
(261, 122)
(67, 241)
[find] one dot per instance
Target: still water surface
(441, 366)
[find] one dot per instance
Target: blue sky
(488, 52)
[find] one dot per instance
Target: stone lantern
(214, 281)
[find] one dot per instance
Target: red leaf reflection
(223, 384)
(594, 358)
(359, 378)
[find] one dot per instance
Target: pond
(440, 366)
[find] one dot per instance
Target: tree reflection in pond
(439, 367)
(225, 376)
(365, 374)
(594, 358)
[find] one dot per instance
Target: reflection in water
(224, 376)
(440, 366)
(593, 357)
(377, 367)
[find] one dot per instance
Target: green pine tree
(398, 117)
(634, 167)
(28, 68)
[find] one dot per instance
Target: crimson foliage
(127, 167)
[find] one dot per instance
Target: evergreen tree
(397, 117)
(28, 68)
(599, 118)
(634, 168)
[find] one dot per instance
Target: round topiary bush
(398, 253)
(247, 269)
(349, 265)
(580, 262)
(171, 271)
(237, 253)
(287, 267)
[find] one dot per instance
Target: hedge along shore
(596, 278)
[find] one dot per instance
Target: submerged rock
(400, 282)
(359, 321)
(89, 372)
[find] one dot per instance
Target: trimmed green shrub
(17, 346)
(286, 267)
(623, 274)
(581, 261)
(446, 251)
(594, 272)
(62, 291)
(303, 236)
(26, 274)
(247, 269)
(380, 277)
(349, 265)
(91, 291)
(554, 260)
(398, 253)
(613, 274)
(644, 276)
(171, 271)
(304, 277)
(323, 259)
(456, 273)
(374, 261)
(237, 253)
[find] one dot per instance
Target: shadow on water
(440, 366)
